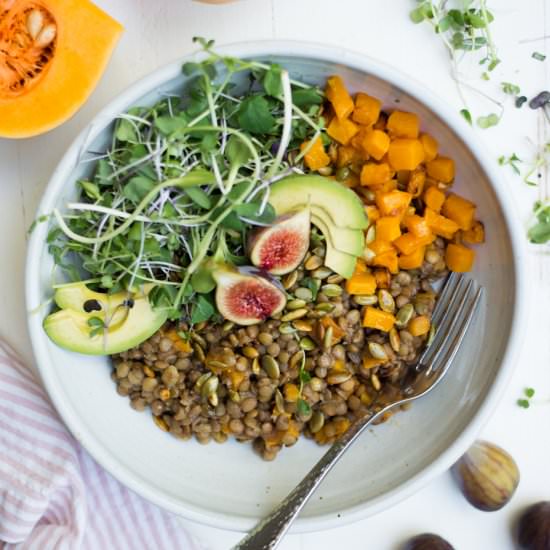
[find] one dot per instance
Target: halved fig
(247, 299)
(281, 247)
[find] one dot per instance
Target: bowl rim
(346, 58)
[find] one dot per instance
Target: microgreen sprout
(184, 181)
(525, 402)
(511, 161)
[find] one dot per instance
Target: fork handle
(268, 533)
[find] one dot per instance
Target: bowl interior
(228, 485)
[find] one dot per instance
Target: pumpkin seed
(319, 251)
(295, 304)
(321, 273)
(199, 352)
(378, 351)
(325, 170)
(201, 380)
(234, 396)
(290, 280)
(327, 307)
(296, 314)
(227, 326)
(279, 402)
(296, 358)
(210, 386)
(200, 326)
(213, 364)
(250, 352)
(404, 315)
(395, 340)
(335, 279)
(234, 340)
(304, 326)
(332, 291)
(256, 366)
(316, 422)
(375, 382)
(46, 35)
(386, 301)
(368, 254)
(338, 377)
(313, 263)
(365, 299)
(342, 174)
(327, 338)
(303, 293)
(307, 344)
(286, 328)
(271, 367)
(371, 234)
(35, 22)
(369, 193)
(213, 399)
(161, 423)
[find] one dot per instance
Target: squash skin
(86, 37)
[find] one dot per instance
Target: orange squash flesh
(84, 40)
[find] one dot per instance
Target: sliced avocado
(340, 262)
(129, 320)
(341, 204)
(351, 241)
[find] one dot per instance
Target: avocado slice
(129, 319)
(341, 204)
(351, 241)
(340, 262)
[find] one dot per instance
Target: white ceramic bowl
(228, 486)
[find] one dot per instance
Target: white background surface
(158, 31)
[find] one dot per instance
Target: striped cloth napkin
(52, 493)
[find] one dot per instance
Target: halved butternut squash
(52, 54)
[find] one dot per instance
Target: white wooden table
(158, 31)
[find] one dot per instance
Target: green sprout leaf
(203, 309)
(538, 56)
(488, 121)
(255, 116)
(509, 88)
(303, 407)
(467, 116)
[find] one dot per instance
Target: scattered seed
(319, 251)
(290, 280)
(332, 291)
(250, 352)
(342, 174)
(256, 366)
(161, 423)
(214, 364)
(201, 380)
(338, 378)
(234, 396)
(304, 326)
(227, 326)
(365, 300)
(431, 335)
(335, 279)
(164, 394)
(286, 328)
(327, 339)
(307, 344)
(375, 382)
(210, 386)
(404, 315)
(296, 314)
(295, 304)
(313, 263)
(271, 367)
(325, 170)
(213, 399)
(279, 402)
(377, 351)
(316, 422)
(386, 301)
(321, 273)
(199, 352)
(296, 358)
(326, 307)
(303, 293)
(395, 340)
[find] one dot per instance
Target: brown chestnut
(534, 527)
(427, 541)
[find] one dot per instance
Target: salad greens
(183, 182)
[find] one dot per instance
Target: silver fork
(455, 309)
